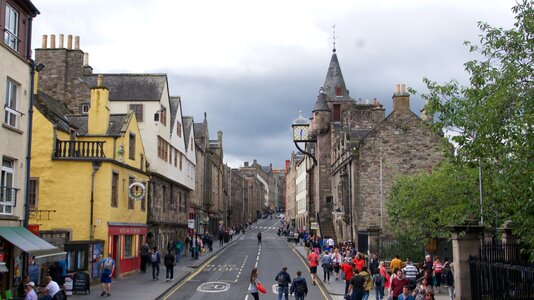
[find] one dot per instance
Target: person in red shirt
(313, 260)
(358, 262)
(346, 268)
(397, 284)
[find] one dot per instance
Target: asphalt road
(226, 275)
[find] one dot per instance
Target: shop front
(16, 244)
(124, 243)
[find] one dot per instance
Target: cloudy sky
(252, 65)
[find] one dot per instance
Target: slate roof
(118, 123)
(333, 78)
(174, 103)
(320, 104)
(199, 129)
(188, 122)
(53, 110)
(359, 133)
(131, 87)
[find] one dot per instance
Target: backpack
(378, 280)
(299, 288)
(281, 279)
(154, 257)
(108, 264)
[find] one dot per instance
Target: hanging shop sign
(137, 191)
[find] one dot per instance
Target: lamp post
(302, 134)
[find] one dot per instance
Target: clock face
(300, 133)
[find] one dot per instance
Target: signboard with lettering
(81, 283)
(314, 226)
(191, 223)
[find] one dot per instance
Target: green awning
(32, 244)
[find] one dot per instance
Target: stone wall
(406, 145)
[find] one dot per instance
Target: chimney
(246, 164)
(61, 39)
(45, 41)
(52, 41)
(77, 42)
(98, 122)
(220, 136)
(85, 59)
(401, 99)
(69, 41)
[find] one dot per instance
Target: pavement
(336, 288)
(141, 286)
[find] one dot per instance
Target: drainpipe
(96, 167)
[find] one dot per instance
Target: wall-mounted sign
(314, 226)
(191, 223)
(137, 191)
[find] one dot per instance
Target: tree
(423, 205)
(494, 119)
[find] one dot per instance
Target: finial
(334, 37)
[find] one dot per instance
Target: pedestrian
(422, 289)
(397, 284)
(373, 264)
(187, 243)
(437, 267)
(253, 284)
(368, 282)
(427, 265)
(107, 267)
(299, 287)
(21, 289)
(336, 263)
(396, 263)
(378, 282)
(358, 261)
(144, 256)
(155, 259)
(178, 248)
(449, 281)
(356, 285)
(169, 262)
(29, 291)
(411, 273)
(313, 260)
(283, 280)
(326, 263)
(382, 270)
(346, 268)
(259, 238)
(406, 294)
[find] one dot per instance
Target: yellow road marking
(307, 268)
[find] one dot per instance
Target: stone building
(292, 189)
(359, 151)
(169, 157)
(279, 191)
(209, 206)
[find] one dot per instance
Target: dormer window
(339, 92)
(84, 108)
(163, 116)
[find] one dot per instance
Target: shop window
(128, 246)
(76, 257)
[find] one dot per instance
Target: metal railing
(8, 196)
(79, 149)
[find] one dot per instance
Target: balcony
(79, 149)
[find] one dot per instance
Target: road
(226, 275)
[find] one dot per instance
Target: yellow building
(88, 182)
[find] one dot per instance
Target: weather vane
(334, 36)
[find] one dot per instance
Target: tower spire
(334, 37)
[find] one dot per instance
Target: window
(34, 192)
(84, 108)
(115, 190)
(137, 109)
(163, 117)
(8, 192)
(143, 201)
(128, 246)
(180, 161)
(164, 196)
(10, 107)
(178, 129)
(337, 112)
(130, 200)
(175, 157)
(12, 28)
(76, 257)
(131, 148)
(338, 90)
(163, 149)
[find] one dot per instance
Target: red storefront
(124, 243)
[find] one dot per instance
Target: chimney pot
(397, 89)
(45, 41)
(403, 88)
(52, 41)
(69, 41)
(77, 42)
(366, 101)
(61, 39)
(100, 80)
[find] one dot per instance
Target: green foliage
(495, 120)
(422, 205)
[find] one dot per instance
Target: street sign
(191, 223)
(314, 225)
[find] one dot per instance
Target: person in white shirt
(330, 243)
(30, 291)
(52, 288)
